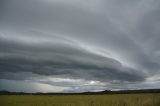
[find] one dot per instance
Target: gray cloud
(60, 56)
(100, 40)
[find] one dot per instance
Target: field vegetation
(81, 100)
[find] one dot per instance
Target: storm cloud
(79, 45)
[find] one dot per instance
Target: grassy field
(82, 100)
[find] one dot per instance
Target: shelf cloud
(79, 45)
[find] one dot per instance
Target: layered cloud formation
(79, 45)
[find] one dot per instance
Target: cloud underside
(61, 57)
(79, 45)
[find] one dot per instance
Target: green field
(82, 100)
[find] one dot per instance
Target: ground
(81, 100)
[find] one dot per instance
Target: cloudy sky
(79, 45)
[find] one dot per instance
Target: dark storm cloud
(60, 56)
(101, 40)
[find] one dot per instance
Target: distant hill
(85, 93)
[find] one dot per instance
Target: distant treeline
(86, 93)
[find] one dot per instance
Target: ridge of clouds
(115, 42)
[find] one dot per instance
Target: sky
(79, 45)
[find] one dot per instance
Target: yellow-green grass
(81, 100)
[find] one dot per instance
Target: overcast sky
(79, 45)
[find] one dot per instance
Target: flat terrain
(82, 100)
